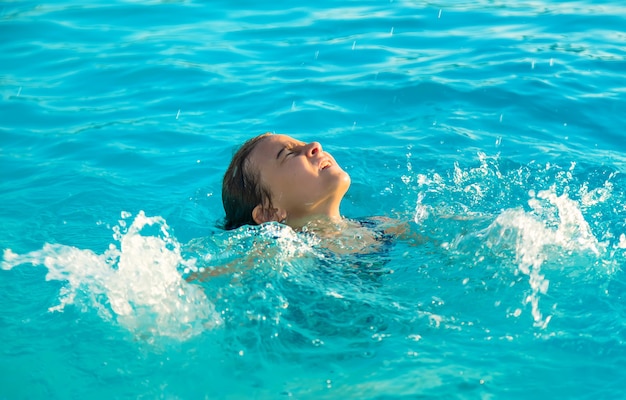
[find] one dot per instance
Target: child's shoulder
(390, 229)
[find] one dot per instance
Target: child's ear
(262, 214)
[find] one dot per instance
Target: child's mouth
(325, 164)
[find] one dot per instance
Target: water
(495, 130)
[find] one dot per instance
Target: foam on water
(138, 281)
(153, 286)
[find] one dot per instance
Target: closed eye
(287, 151)
(292, 151)
(283, 154)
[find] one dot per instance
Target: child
(281, 179)
(278, 178)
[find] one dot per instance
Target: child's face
(303, 179)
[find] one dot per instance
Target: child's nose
(313, 148)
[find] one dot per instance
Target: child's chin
(345, 181)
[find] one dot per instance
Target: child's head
(278, 178)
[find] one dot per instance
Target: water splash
(535, 240)
(137, 282)
(543, 218)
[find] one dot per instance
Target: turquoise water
(495, 129)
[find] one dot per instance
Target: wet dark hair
(242, 189)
